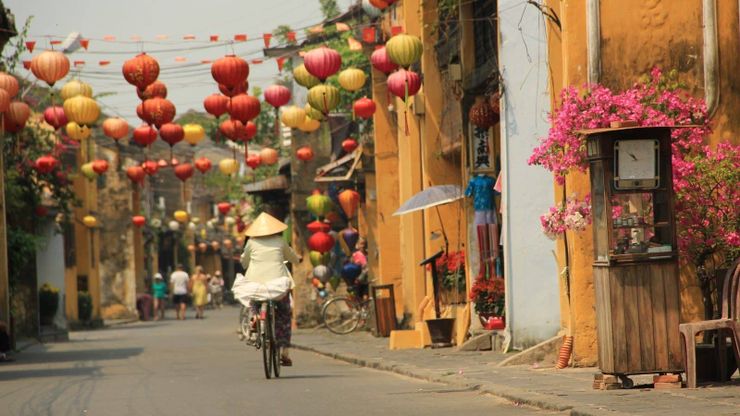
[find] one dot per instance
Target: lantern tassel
(277, 124)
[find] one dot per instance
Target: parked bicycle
(344, 314)
(259, 331)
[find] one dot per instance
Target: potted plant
(84, 306)
(488, 296)
(48, 303)
(451, 268)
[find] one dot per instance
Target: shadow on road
(78, 355)
(49, 372)
(309, 376)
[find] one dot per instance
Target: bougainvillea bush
(706, 179)
(572, 215)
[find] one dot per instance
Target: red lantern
(230, 71)
(305, 153)
(250, 130)
(136, 174)
(171, 133)
(138, 220)
(216, 104)
(481, 115)
(233, 129)
(45, 164)
(404, 84)
(223, 207)
(277, 95)
(145, 135)
(349, 145)
(140, 113)
(155, 89)
(184, 171)
(321, 242)
(364, 108)
(16, 116)
(100, 166)
(243, 107)
(322, 62)
(141, 71)
(151, 167)
(382, 62)
(380, 4)
(230, 92)
(254, 161)
(159, 110)
(203, 164)
(4, 101)
(161, 164)
(318, 226)
(115, 128)
(55, 117)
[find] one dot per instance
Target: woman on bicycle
(264, 259)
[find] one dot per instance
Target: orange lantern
(115, 127)
(16, 116)
(9, 83)
(155, 89)
(349, 199)
(230, 71)
(269, 156)
(216, 104)
(305, 153)
(159, 111)
(50, 66)
(243, 107)
(141, 70)
(4, 101)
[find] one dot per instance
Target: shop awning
(341, 169)
(274, 183)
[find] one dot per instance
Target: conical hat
(264, 225)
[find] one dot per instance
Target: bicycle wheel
(274, 348)
(266, 346)
(244, 316)
(341, 315)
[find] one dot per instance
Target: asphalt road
(198, 367)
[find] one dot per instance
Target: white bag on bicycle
(275, 289)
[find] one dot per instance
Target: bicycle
(343, 314)
(263, 337)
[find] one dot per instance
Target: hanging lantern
(54, 116)
(203, 164)
(228, 166)
(313, 113)
(319, 258)
(50, 66)
(159, 111)
(243, 107)
(181, 216)
(151, 167)
(138, 220)
(174, 162)
(230, 92)
(4, 101)
(364, 108)
(233, 129)
(136, 174)
(379, 4)
(171, 133)
(321, 242)
(90, 221)
(216, 104)
(82, 110)
(352, 79)
(322, 272)
(155, 89)
(404, 84)
(350, 272)
(16, 116)
(162, 163)
(323, 97)
(254, 161)
(349, 145)
(322, 62)
(349, 199)
(194, 133)
(350, 236)
(45, 164)
(191, 248)
(173, 225)
(140, 113)
(74, 88)
(230, 71)
(318, 226)
(309, 125)
(277, 95)
(494, 101)
(318, 204)
(370, 9)
(116, 128)
(250, 130)
(9, 83)
(305, 153)
(223, 207)
(269, 156)
(293, 116)
(481, 115)
(304, 78)
(77, 132)
(100, 166)
(382, 62)
(184, 171)
(145, 135)
(141, 71)
(88, 171)
(404, 50)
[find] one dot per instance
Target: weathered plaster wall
(50, 265)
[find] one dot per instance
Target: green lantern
(303, 77)
(88, 171)
(313, 113)
(323, 97)
(318, 204)
(318, 258)
(405, 50)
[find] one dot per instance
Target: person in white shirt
(179, 280)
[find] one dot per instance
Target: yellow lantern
(404, 50)
(293, 116)
(90, 221)
(303, 77)
(324, 97)
(309, 125)
(82, 110)
(74, 88)
(181, 216)
(352, 79)
(228, 166)
(194, 133)
(313, 113)
(77, 132)
(88, 171)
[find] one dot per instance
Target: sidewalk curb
(514, 395)
(119, 322)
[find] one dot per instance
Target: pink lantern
(55, 117)
(322, 62)
(277, 95)
(382, 62)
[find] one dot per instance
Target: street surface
(196, 367)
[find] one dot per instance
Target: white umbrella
(431, 197)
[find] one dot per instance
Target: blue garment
(480, 188)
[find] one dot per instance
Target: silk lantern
(194, 133)
(228, 166)
(184, 171)
(77, 132)
(159, 111)
(16, 116)
(319, 258)
(155, 89)
(203, 164)
(230, 92)
(352, 79)
(350, 237)
(304, 154)
(116, 128)
(143, 116)
(230, 71)
(243, 107)
(232, 129)
(318, 226)
(151, 167)
(141, 70)
(100, 166)
(323, 97)
(349, 145)
(250, 130)
(364, 108)
(349, 199)
(136, 174)
(318, 204)
(223, 207)
(216, 104)
(309, 125)
(54, 116)
(45, 164)
(74, 88)
(254, 161)
(350, 272)
(90, 221)
(481, 115)
(313, 113)
(181, 216)
(88, 171)
(404, 84)
(50, 66)
(322, 272)
(277, 95)
(9, 83)
(293, 116)
(172, 134)
(303, 77)
(379, 4)
(382, 62)
(4, 101)
(321, 242)
(322, 62)
(404, 50)
(138, 220)
(269, 156)
(82, 110)
(173, 225)
(145, 135)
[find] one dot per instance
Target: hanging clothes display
(480, 188)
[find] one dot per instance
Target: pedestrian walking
(216, 287)
(200, 291)
(180, 280)
(159, 289)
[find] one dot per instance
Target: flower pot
(440, 331)
(492, 321)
